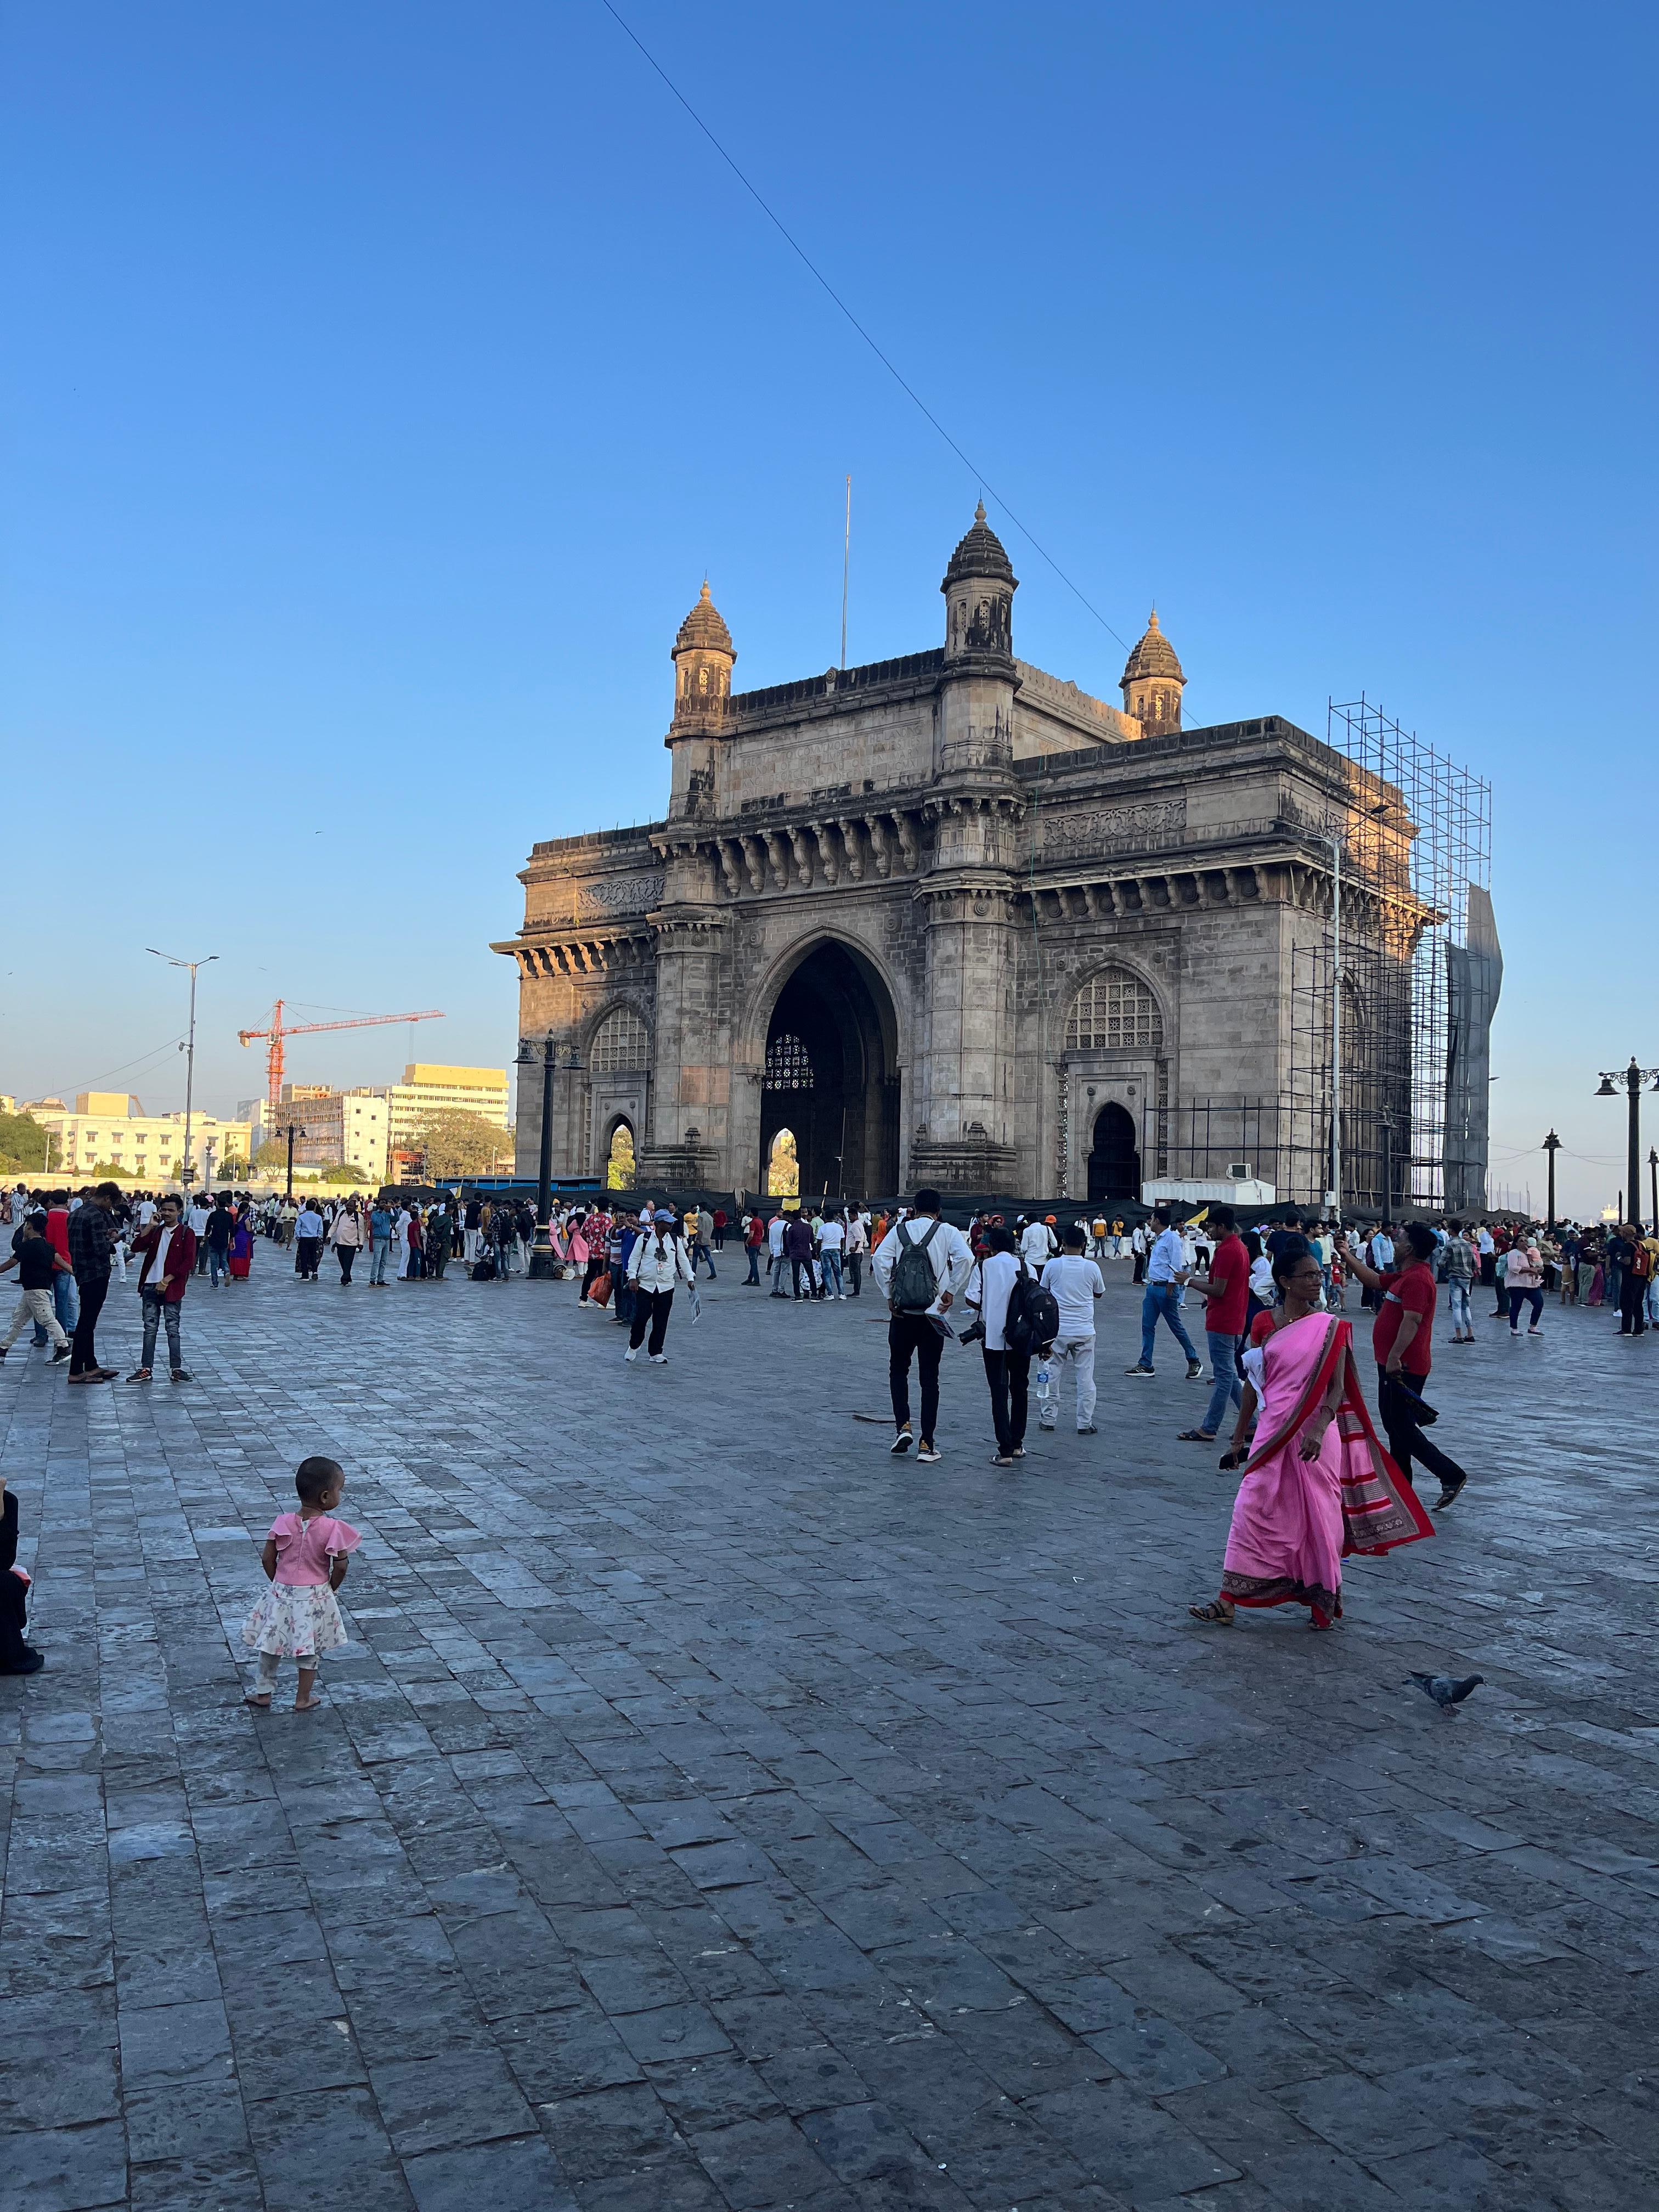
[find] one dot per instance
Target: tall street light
(541, 1252)
(189, 1062)
(1552, 1145)
(1653, 1170)
(1632, 1078)
(293, 1132)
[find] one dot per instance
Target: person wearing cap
(656, 1266)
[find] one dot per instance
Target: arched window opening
(1115, 1012)
(783, 1167)
(621, 1041)
(619, 1161)
(788, 1064)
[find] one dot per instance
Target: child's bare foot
(305, 1704)
(261, 1698)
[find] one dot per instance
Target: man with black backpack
(1020, 1317)
(919, 1267)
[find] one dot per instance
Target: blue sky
(379, 381)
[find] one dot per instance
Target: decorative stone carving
(1098, 830)
(621, 894)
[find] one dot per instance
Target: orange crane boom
(277, 1028)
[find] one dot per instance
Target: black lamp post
(292, 1133)
(1552, 1145)
(1653, 1170)
(541, 1251)
(1632, 1078)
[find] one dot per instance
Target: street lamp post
(190, 1057)
(1632, 1078)
(1551, 1147)
(1653, 1170)
(541, 1252)
(294, 1131)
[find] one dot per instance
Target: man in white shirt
(1165, 1273)
(832, 1243)
(858, 1246)
(912, 1330)
(1007, 1371)
(774, 1229)
(197, 1217)
(1037, 1245)
(1076, 1283)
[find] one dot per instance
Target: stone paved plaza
(714, 1814)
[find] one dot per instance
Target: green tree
(453, 1142)
(343, 1172)
(22, 1141)
(272, 1155)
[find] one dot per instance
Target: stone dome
(704, 628)
(981, 553)
(1154, 656)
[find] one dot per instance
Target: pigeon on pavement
(1447, 1691)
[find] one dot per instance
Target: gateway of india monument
(949, 920)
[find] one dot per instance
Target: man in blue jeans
(381, 1226)
(1166, 1271)
(1226, 1295)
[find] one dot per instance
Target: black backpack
(915, 1286)
(483, 1271)
(1032, 1322)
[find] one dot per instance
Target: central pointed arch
(831, 1074)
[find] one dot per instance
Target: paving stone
(691, 1822)
(517, 2174)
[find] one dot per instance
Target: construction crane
(278, 1030)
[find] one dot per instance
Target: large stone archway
(831, 1077)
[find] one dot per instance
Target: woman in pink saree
(1318, 1485)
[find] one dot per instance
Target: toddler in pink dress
(304, 1558)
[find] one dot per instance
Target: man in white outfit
(1037, 1245)
(1076, 1283)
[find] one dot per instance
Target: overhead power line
(909, 389)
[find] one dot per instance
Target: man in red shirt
(1226, 1292)
(1402, 1341)
(66, 1298)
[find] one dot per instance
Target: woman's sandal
(1196, 1436)
(1218, 1615)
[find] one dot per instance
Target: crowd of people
(1317, 1485)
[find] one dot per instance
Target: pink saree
(1294, 1520)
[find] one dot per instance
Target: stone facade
(939, 916)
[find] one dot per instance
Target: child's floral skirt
(292, 1618)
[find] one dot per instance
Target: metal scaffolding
(1397, 1047)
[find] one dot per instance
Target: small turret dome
(1154, 682)
(981, 553)
(1153, 656)
(704, 629)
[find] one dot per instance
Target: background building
(429, 1088)
(111, 1128)
(342, 1129)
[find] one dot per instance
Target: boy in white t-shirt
(1076, 1283)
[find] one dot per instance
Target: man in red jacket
(167, 1249)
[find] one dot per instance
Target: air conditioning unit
(1238, 1171)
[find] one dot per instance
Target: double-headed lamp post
(1551, 1147)
(541, 1252)
(190, 1060)
(1632, 1078)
